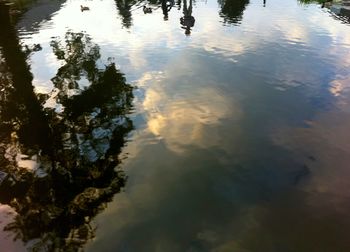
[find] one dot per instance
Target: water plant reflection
(58, 165)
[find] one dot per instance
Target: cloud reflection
(180, 116)
(185, 119)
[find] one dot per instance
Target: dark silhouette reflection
(187, 21)
(232, 10)
(178, 4)
(124, 9)
(314, 1)
(26, 107)
(264, 3)
(59, 152)
(147, 9)
(166, 7)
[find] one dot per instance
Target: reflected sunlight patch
(339, 86)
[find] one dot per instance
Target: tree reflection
(187, 21)
(124, 9)
(313, 1)
(232, 10)
(59, 152)
(26, 107)
(166, 7)
(340, 11)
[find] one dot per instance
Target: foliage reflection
(232, 10)
(59, 151)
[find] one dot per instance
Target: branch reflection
(59, 151)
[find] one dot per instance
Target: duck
(147, 9)
(84, 8)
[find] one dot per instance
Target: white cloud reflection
(185, 118)
(150, 33)
(179, 116)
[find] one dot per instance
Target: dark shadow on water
(58, 163)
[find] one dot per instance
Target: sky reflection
(185, 117)
(241, 128)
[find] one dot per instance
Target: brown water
(236, 138)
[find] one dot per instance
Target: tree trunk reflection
(58, 167)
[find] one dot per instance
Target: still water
(192, 126)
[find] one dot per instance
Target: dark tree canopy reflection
(124, 9)
(312, 1)
(232, 10)
(187, 21)
(59, 151)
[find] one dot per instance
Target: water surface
(240, 120)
